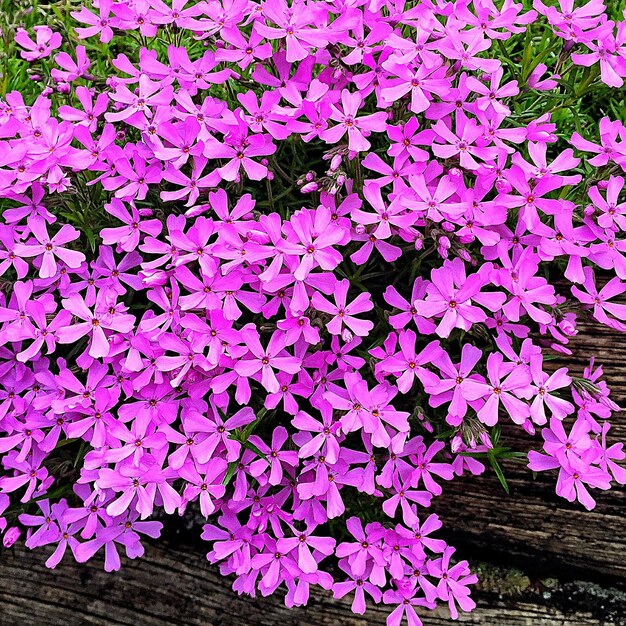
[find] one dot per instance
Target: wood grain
(542, 562)
(532, 525)
(175, 586)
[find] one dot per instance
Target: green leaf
(251, 427)
(251, 446)
(232, 468)
(499, 473)
(495, 434)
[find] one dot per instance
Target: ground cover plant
(294, 267)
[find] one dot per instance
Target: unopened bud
(154, 278)
(309, 187)
(11, 536)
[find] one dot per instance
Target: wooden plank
(573, 560)
(175, 586)
(532, 525)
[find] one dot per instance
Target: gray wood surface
(542, 562)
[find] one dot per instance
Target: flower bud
(486, 439)
(456, 444)
(335, 163)
(503, 186)
(154, 278)
(568, 327)
(465, 255)
(309, 187)
(11, 536)
(194, 211)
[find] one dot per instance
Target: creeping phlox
(301, 259)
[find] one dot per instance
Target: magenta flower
(307, 545)
(453, 383)
(239, 152)
(150, 95)
(344, 321)
(88, 116)
(127, 237)
(463, 142)
(454, 579)
(407, 365)
(407, 599)
(266, 360)
(97, 24)
(312, 238)
(544, 385)
(50, 248)
(294, 27)
(404, 495)
(241, 50)
(360, 586)
(357, 127)
(94, 323)
(365, 551)
(490, 95)
(612, 214)
(507, 385)
(452, 294)
(275, 457)
(325, 434)
(425, 468)
(609, 148)
(421, 83)
(206, 488)
(71, 70)
(598, 299)
(45, 42)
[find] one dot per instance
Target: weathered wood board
(541, 561)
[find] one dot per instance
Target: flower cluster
(301, 258)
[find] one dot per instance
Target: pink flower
(454, 579)
(94, 324)
(407, 364)
(50, 248)
(127, 238)
(294, 27)
(97, 24)
(344, 320)
(357, 127)
(452, 294)
(45, 42)
(266, 360)
(506, 385)
(599, 299)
